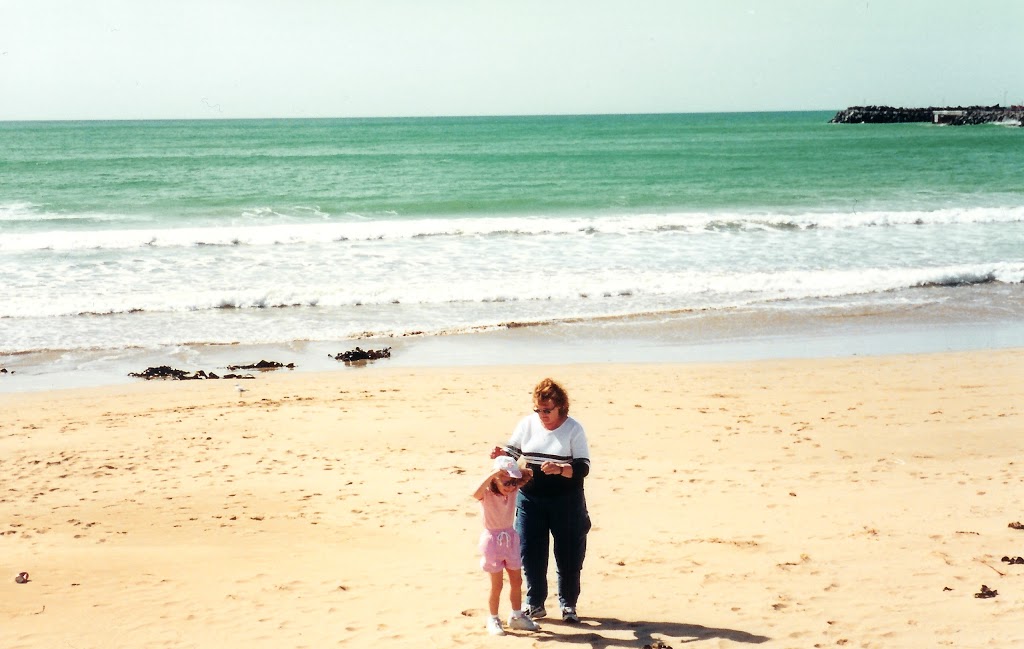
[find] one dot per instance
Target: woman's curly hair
(548, 389)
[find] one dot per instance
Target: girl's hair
(548, 389)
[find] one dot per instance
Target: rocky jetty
(951, 115)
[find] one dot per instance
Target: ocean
(128, 244)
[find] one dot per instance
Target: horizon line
(396, 117)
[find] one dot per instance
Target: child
(499, 542)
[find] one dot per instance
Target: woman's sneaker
(522, 623)
(569, 615)
(536, 612)
(494, 626)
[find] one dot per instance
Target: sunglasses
(544, 411)
(509, 483)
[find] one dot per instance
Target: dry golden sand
(814, 503)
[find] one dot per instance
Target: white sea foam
(29, 214)
(363, 229)
(593, 292)
(16, 211)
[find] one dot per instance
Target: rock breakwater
(951, 115)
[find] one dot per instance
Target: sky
(197, 59)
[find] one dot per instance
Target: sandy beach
(858, 502)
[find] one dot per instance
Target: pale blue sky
(135, 59)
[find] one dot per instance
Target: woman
(553, 504)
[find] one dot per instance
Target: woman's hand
(497, 451)
(554, 468)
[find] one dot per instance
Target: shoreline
(740, 335)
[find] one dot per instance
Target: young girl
(499, 542)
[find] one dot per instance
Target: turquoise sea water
(178, 234)
(203, 172)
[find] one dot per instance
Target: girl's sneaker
(569, 615)
(494, 626)
(522, 623)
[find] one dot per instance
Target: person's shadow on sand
(591, 632)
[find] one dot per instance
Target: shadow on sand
(600, 632)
